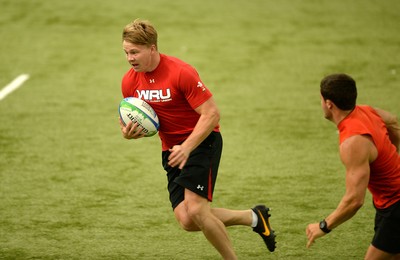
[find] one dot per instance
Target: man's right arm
(131, 130)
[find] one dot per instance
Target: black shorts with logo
(199, 173)
(387, 229)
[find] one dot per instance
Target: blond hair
(140, 32)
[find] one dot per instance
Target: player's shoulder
(176, 63)
(357, 148)
(366, 108)
(171, 59)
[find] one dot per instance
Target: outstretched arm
(356, 153)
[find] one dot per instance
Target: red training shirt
(384, 182)
(174, 89)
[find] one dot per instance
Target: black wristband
(324, 226)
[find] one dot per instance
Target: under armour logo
(152, 81)
(200, 85)
(200, 187)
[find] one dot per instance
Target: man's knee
(187, 224)
(184, 219)
(194, 209)
(198, 212)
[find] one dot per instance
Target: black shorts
(387, 229)
(199, 173)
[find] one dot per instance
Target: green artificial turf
(72, 188)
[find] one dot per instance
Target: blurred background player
(369, 149)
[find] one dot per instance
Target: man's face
(139, 56)
(325, 108)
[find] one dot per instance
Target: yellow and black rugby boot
(263, 227)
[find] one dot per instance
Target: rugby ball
(137, 110)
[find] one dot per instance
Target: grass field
(72, 188)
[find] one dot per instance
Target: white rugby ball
(137, 110)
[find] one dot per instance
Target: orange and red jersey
(384, 182)
(174, 89)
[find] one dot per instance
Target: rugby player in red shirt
(369, 141)
(190, 137)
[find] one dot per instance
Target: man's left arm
(209, 118)
(355, 153)
(392, 124)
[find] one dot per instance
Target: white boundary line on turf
(16, 83)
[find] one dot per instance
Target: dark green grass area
(72, 188)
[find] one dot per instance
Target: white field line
(16, 83)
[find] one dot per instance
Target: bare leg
(226, 216)
(195, 213)
(233, 217)
(374, 253)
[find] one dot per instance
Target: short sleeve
(194, 90)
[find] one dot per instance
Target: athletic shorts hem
(387, 229)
